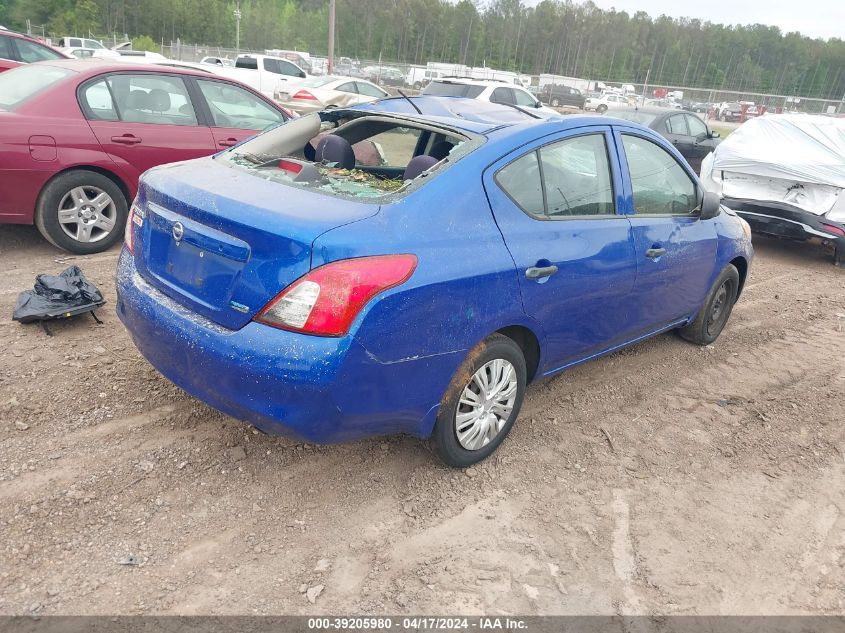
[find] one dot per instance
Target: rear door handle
(126, 139)
(537, 272)
(654, 253)
(227, 142)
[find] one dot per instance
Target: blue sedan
(377, 270)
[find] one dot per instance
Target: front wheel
(717, 308)
(555, 103)
(601, 109)
(482, 402)
(82, 212)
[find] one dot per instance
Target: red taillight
(327, 300)
(304, 94)
(136, 216)
(833, 229)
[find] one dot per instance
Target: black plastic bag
(58, 297)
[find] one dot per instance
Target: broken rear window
(361, 156)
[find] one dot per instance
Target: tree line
(554, 36)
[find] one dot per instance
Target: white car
(605, 101)
(69, 44)
(487, 90)
(319, 93)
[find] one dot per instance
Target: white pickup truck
(264, 72)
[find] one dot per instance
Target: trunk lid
(224, 242)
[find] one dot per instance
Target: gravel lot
(666, 478)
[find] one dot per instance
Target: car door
(702, 143)
(675, 250)
(676, 130)
(555, 201)
(234, 112)
(144, 119)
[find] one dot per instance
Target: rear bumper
(319, 389)
(789, 223)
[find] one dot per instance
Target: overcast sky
(815, 18)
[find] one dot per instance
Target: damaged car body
(313, 292)
(785, 175)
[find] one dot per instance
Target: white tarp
(791, 158)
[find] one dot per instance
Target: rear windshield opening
(363, 157)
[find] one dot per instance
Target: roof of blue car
(472, 115)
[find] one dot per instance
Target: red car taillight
(833, 229)
(326, 300)
(304, 94)
(136, 217)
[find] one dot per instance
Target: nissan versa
(289, 285)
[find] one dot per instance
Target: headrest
(418, 165)
(159, 100)
(336, 149)
(138, 100)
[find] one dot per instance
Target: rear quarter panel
(43, 137)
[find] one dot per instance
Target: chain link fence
(773, 102)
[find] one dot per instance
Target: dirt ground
(666, 478)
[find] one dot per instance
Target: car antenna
(408, 99)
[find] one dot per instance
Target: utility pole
(238, 27)
(330, 63)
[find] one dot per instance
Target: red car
(76, 135)
(17, 49)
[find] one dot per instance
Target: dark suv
(557, 96)
(17, 49)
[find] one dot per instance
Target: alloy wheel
(87, 214)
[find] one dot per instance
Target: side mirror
(711, 206)
(538, 104)
(714, 134)
(301, 74)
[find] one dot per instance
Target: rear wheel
(82, 212)
(555, 103)
(482, 402)
(717, 308)
(601, 109)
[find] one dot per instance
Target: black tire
(601, 109)
(555, 103)
(55, 197)
(714, 314)
(722, 117)
(445, 437)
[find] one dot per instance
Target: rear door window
(502, 95)
(521, 181)
(151, 98)
(576, 177)
(677, 125)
